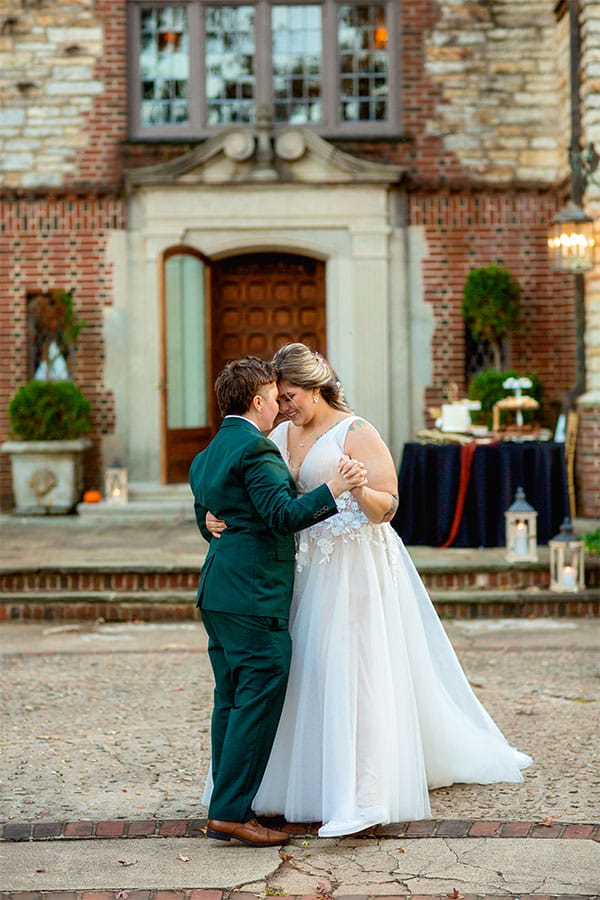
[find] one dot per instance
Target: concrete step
(147, 502)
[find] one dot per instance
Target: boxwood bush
(49, 411)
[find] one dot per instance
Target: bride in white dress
(378, 709)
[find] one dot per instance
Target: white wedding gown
(377, 708)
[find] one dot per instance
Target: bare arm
(378, 500)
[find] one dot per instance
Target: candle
(568, 576)
(521, 547)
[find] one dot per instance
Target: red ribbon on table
(467, 451)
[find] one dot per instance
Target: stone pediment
(261, 154)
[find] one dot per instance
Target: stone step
(147, 502)
(179, 604)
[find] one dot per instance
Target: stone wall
(64, 92)
(497, 66)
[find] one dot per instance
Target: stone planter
(47, 475)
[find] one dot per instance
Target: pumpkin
(92, 497)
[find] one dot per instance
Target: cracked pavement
(108, 722)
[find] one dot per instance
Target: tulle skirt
(378, 709)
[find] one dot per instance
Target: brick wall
(508, 228)
(57, 243)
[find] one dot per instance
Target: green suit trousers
(250, 656)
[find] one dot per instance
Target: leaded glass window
(200, 65)
(297, 41)
(230, 53)
(363, 55)
(164, 65)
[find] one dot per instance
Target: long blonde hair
(307, 369)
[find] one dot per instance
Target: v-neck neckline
(310, 449)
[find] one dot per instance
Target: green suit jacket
(241, 478)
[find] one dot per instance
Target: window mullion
(330, 65)
(197, 66)
(394, 64)
(134, 69)
(262, 56)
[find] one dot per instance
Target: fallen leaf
(400, 850)
(125, 862)
(285, 856)
(183, 858)
(41, 871)
(547, 823)
(455, 895)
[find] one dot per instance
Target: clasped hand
(354, 472)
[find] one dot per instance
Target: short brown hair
(240, 381)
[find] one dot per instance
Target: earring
(315, 398)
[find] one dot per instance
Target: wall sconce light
(521, 530)
(115, 484)
(571, 242)
(566, 560)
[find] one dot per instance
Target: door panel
(263, 300)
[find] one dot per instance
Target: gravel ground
(106, 722)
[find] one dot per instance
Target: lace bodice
(320, 464)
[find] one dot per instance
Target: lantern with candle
(567, 569)
(116, 484)
(521, 530)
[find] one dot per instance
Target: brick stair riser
(449, 604)
(50, 581)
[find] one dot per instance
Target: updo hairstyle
(307, 369)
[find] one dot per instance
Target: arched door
(217, 311)
(263, 300)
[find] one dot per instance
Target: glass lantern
(567, 568)
(116, 484)
(571, 240)
(521, 530)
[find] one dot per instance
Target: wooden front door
(261, 301)
(217, 311)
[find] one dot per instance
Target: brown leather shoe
(251, 833)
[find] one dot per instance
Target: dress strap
(342, 428)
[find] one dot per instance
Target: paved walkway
(105, 748)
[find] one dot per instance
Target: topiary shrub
(49, 411)
(487, 388)
(491, 306)
(591, 542)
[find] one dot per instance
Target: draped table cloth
(456, 495)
